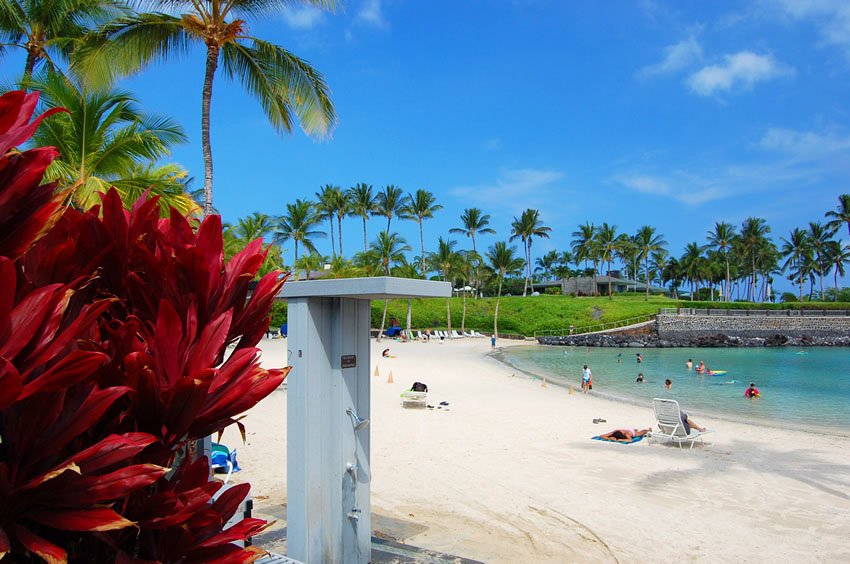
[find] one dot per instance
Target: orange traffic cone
(390, 379)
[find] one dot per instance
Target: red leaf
(5, 543)
(111, 450)
(69, 371)
(229, 500)
(225, 554)
(240, 531)
(37, 545)
(94, 406)
(10, 384)
(95, 489)
(96, 519)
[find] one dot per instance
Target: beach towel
(634, 440)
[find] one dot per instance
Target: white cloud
(804, 145)
(677, 57)
(514, 190)
(371, 13)
(305, 17)
(740, 70)
(831, 16)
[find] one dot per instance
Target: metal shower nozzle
(359, 422)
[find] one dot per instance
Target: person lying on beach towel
(624, 435)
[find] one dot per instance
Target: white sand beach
(508, 472)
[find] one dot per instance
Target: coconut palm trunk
(211, 66)
(646, 270)
(422, 243)
(339, 232)
(409, 315)
(365, 241)
(496, 312)
(728, 276)
(449, 314)
(383, 319)
(530, 279)
(463, 317)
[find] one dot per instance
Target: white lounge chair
(456, 335)
(414, 399)
(670, 424)
(419, 335)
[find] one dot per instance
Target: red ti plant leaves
(113, 331)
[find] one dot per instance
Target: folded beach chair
(222, 459)
(414, 399)
(670, 424)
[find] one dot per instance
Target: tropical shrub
(114, 328)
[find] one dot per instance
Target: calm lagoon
(806, 389)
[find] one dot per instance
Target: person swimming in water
(752, 392)
(689, 364)
(640, 378)
(668, 384)
(701, 368)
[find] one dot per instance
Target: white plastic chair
(670, 424)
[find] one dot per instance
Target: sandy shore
(508, 472)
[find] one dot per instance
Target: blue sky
(668, 113)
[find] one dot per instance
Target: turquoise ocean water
(807, 388)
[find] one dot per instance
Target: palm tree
(107, 141)
(692, 266)
(526, 227)
(584, 250)
(467, 264)
(445, 260)
(819, 237)
(546, 264)
(721, 239)
(838, 256)
(48, 31)
(607, 243)
(796, 249)
(473, 222)
(648, 242)
(362, 204)
(672, 274)
(326, 199)
(389, 203)
(389, 248)
(310, 263)
(341, 206)
(421, 206)
(753, 238)
(297, 225)
(502, 261)
(841, 215)
(287, 87)
(406, 269)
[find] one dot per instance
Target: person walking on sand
(586, 380)
(493, 342)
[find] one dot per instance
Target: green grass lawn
(524, 316)
(521, 315)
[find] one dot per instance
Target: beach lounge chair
(414, 399)
(419, 335)
(222, 459)
(456, 335)
(670, 424)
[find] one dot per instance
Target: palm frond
(283, 84)
(128, 45)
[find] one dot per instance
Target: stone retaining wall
(692, 326)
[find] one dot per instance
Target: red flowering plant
(114, 328)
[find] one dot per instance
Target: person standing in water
(668, 384)
(752, 392)
(689, 364)
(639, 358)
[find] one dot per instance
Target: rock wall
(686, 327)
